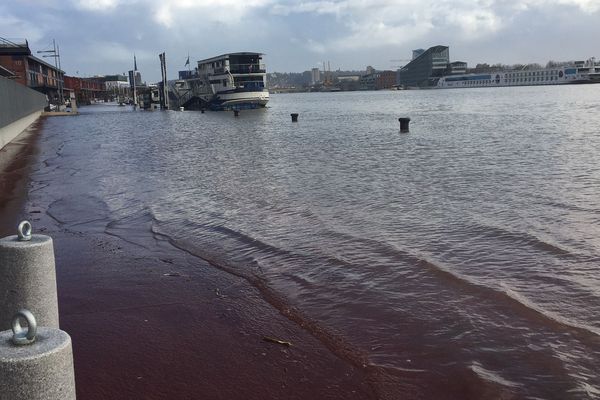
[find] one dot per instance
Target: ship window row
(531, 79)
(478, 82)
(508, 81)
(532, 73)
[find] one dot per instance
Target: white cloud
(315, 46)
(96, 5)
(169, 12)
(12, 27)
(588, 6)
(380, 23)
(316, 7)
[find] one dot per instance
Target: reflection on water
(459, 260)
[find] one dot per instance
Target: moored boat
(582, 72)
(228, 81)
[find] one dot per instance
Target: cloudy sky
(101, 36)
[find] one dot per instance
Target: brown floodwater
(458, 261)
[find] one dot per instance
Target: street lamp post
(55, 53)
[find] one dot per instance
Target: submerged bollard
(28, 277)
(236, 113)
(181, 108)
(202, 110)
(294, 117)
(404, 124)
(35, 363)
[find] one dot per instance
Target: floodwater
(460, 260)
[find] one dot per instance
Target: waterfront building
(116, 86)
(349, 82)
(457, 67)
(7, 73)
(367, 82)
(85, 90)
(416, 53)
(378, 80)
(28, 70)
(315, 76)
(426, 68)
(386, 80)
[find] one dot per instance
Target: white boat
(229, 81)
(581, 72)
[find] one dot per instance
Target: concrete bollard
(28, 277)
(181, 108)
(294, 117)
(35, 363)
(404, 124)
(236, 113)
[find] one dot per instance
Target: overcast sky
(101, 36)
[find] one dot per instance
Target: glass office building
(425, 69)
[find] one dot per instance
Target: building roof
(432, 49)
(14, 47)
(6, 72)
(242, 53)
(39, 60)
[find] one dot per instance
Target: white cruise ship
(583, 72)
(229, 81)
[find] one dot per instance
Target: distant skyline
(98, 37)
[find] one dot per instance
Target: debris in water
(277, 341)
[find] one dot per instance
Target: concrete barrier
(28, 277)
(20, 106)
(35, 363)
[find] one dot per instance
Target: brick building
(28, 70)
(385, 80)
(85, 90)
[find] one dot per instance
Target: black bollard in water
(202, 110)
(236, 113)
(404, 124)
(294, 117)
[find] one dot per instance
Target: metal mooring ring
(20, 335)
(24, 231)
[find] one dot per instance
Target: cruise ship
(580, 72)
(226, 82)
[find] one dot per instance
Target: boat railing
(247, 68)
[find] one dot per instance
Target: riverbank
(152, 322)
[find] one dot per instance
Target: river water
(460, 260)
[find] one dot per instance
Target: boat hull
(239, 100)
